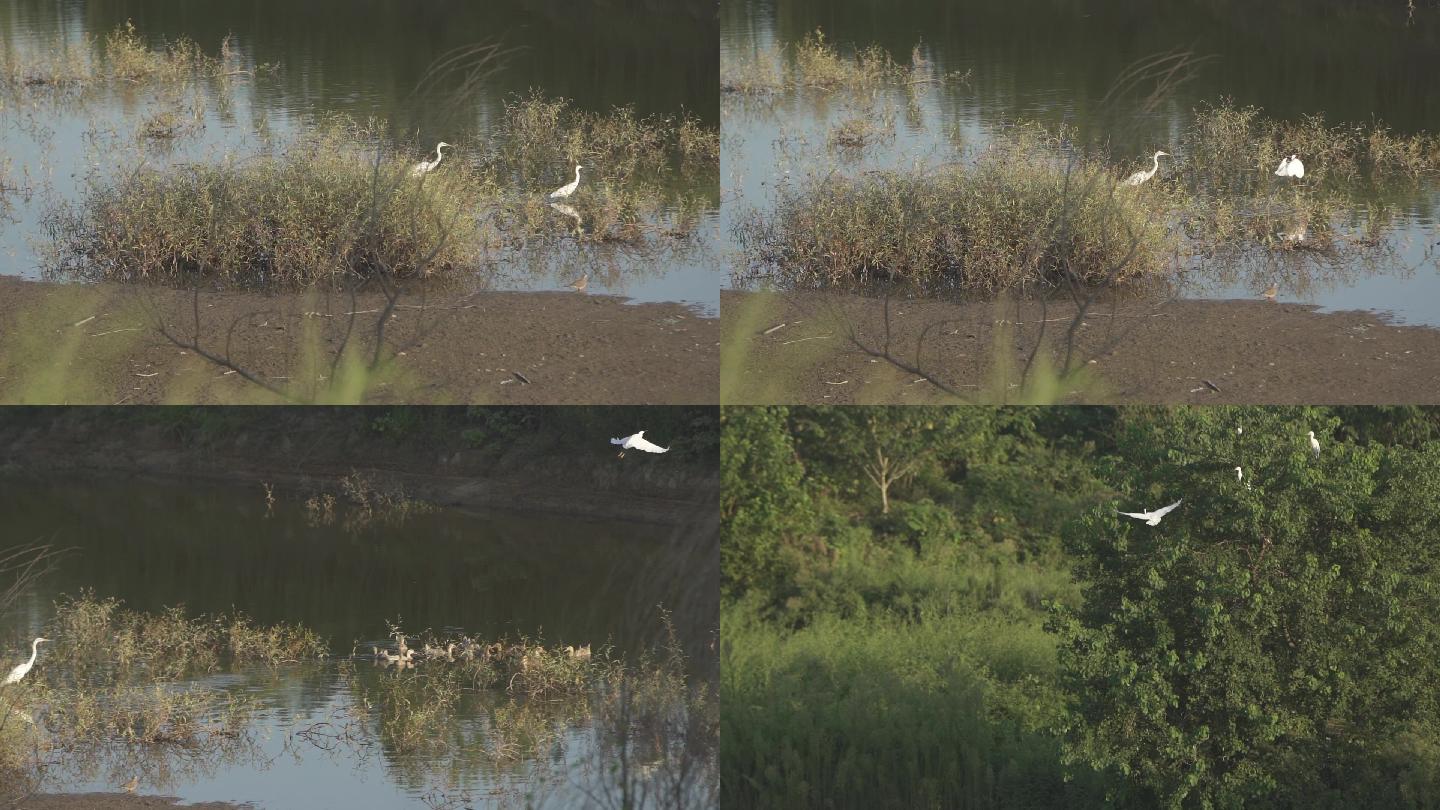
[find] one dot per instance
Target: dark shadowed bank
(555, 460)
(111, 801)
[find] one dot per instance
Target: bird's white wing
(648, 446)
(1136, 515)
(1163, 511)
(620, 442)
(1284, 164)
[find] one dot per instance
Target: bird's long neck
(1157, 163)
(577, 174)
(34, 651)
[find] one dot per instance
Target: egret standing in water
(1291, 167)
(1152, 517)
(1139, 177)
(21, 671)
(638, 442)
(565, 191)
(424, 167)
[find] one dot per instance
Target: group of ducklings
(518, 655)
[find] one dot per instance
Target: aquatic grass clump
(1230, 149)
(90, 632)
(815, 63)
(1019, 214)
(320, 209)
(537, 133)
(121, 56)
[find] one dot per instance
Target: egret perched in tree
(424, 167)
(565, 191)
(1152, 518)
(1291, 167)
(1139, 177)
(1239, 474)
(1314, 444)
(638, 442)
(24, 669)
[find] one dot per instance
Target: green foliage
(1001, 638)
(762, 504)
(1263, 642)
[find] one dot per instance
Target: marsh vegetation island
(218, 207)
(1146, 203)
(368, 607)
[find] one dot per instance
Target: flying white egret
(1314, 444)
(1139, 177)
(565, 191)
(638, 442)
(424, 167)
(1291, 167)
(1152, 518)
(24, 669)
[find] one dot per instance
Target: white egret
(1239, 474)
(1291, 167)
(424, 167)
(1314, 444)
(1152, 518)
(1139, 177)
(24, 669)
(1240, 430)
(638, 442)
(565, 191)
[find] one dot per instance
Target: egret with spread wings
(1153, 517)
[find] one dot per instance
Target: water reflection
(351, 731)
(1057, 64)
(373, 60)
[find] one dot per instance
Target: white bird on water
(424, 167)
(565, 191)
(1139, 177)
(1314, 444)
(1152, 518)
(24, 669)
(638, 442)
(1291, 167)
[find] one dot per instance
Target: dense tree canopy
(1269, 644)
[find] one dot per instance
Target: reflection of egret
(1152, 517)
(565, 191)
(1291, 167)
(638, 442)
(570, 212)
(1139, 177)
(424, 167)
(1296, 232)
(581, 283)
(24, 669)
